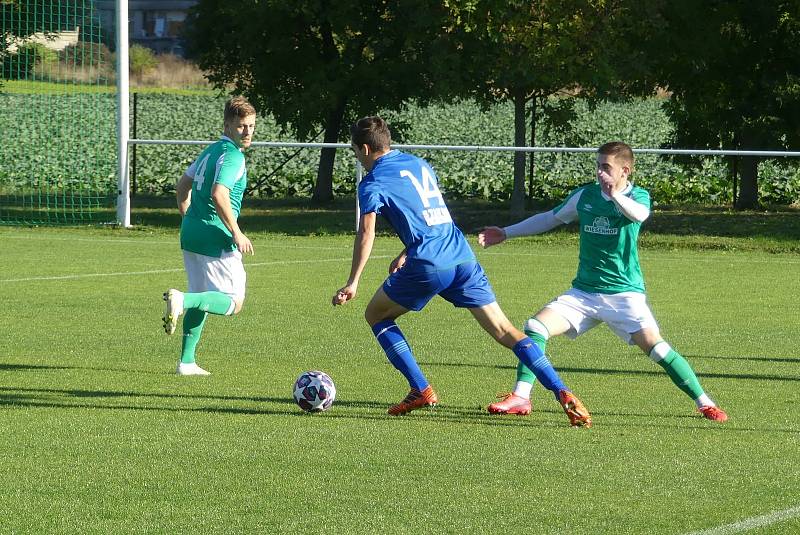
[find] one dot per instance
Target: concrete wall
(58, 41)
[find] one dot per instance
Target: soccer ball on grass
(314, 391)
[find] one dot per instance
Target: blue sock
(532, 356)
(394, 344)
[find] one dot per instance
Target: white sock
(704, 401)
(523, 389)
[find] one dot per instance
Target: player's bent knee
(534, 326)
(506, 334)
(372, 317)
(659, 351)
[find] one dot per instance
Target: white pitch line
(90, 275)
(174, 270)
(752, 523)
(151, 241)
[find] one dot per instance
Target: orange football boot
(713, 413)
(415, 400)
(577, 413)
(510, 404)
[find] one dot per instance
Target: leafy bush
(142, 60)
(84, 53)
(28, 58)
(83, 145)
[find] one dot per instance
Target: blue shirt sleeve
(369, 198)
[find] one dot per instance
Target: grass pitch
(99, 435)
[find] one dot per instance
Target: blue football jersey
(405, 191)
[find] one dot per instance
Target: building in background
(58, 40)
(156, 24)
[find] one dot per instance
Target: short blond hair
(238, 107)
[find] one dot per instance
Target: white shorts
(625, 313)
(224, 274)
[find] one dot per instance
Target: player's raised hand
(489, 236)
(607, 183)
(343, 295)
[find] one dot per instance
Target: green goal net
(58, 157)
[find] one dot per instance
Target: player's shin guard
(213, 302)
(537, 332)
(397, 350)
(677, 368)
(532, 356)
(193, 322)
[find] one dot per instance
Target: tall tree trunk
(520, 126)
(748, 184)
(323, 188)
(748, 173)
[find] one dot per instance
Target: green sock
(193, 322)
(681, 373)
(213, 302)
(524, 374)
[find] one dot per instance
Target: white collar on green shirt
(232, 141)
(625, 191)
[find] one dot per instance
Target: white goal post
(123, 116)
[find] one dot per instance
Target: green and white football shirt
(202, 231)
(609, 258)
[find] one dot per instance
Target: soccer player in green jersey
(609, 287)
(209, 198)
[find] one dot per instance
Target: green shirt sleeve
(231, 167)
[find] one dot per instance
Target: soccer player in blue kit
(436, 260)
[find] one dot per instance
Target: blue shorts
(464, 285)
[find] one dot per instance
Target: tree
(734, 73)
(142, 60)
(317, 64)
(527, 52)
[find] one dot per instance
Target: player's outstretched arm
(535, 224)
(489, 236)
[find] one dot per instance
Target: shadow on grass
(782, 223)
(30, 367)
(476, 415)
(611, 371)
(354, 410)
(300, 216)
(788, 360)
(295, 217)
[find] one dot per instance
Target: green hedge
(43, 141)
